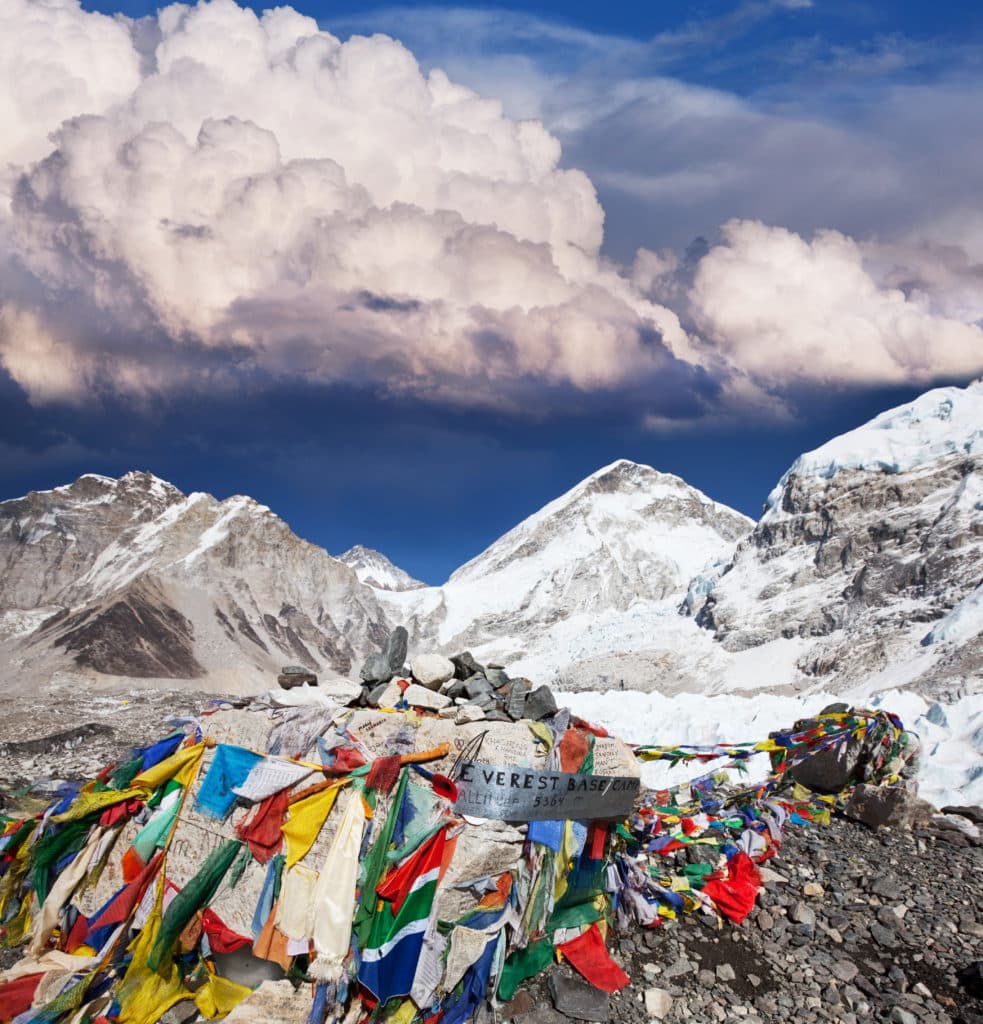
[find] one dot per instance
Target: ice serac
(131, 578)
(592, 573)
(375, 570)
(869, 554)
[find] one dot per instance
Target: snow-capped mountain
(863, 573)
(132, 578)
(587, 574)
(375, 570)
(868, 560)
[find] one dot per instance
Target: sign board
(528, 794)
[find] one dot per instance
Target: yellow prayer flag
(307, 816)
(182, 766)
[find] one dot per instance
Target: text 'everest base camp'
(641, 759)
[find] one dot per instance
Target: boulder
(540, 703)
(418, 696)
(273, 1000)
(295, 675)
(376, 669)
(395, 650)
(892, 806)
(432, 670)
(465, 665)
(830, 770)
(973, 811)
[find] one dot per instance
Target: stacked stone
(457, 687)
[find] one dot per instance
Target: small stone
(468, 713)
(658, 1003)
(765, 921)
(519, 1005)
(883, 936)
(678, 969)
(900, 1016)
(803, 914)
(725, 972)
(845, 970)
(431, 670)
(920, 988)
(888, 917)
(498, 677)
(813, 889)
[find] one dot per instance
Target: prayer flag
(395, 941)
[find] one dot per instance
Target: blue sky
(839, 140)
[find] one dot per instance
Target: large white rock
(430, 670)
(273, 1000)
(420, 697)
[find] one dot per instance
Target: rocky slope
(131, 578)
(869, 556)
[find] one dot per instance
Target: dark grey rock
(894, 806)
(498, 677)
(465, 665)
(973, 811)
(884, 886)
(374, 694)
(830, 770)
(376, 669)
(539, 703)
(295, 675)
(845, 970)
(883, 936)
(478, 686)
(515, 702)
(395, 649)
(578, 999)
(456, 689)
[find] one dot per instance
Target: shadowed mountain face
(864, 567)
(132, 578)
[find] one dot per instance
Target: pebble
(658, 1003)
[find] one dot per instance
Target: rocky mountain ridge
(130, 578)
(870, 553)
(862, 572)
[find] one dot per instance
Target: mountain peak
(375, 570)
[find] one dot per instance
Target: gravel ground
(868, 926)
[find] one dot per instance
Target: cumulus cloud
(263, 187)
(215, 196)
(785, 308)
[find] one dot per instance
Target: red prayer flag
(589, 956)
